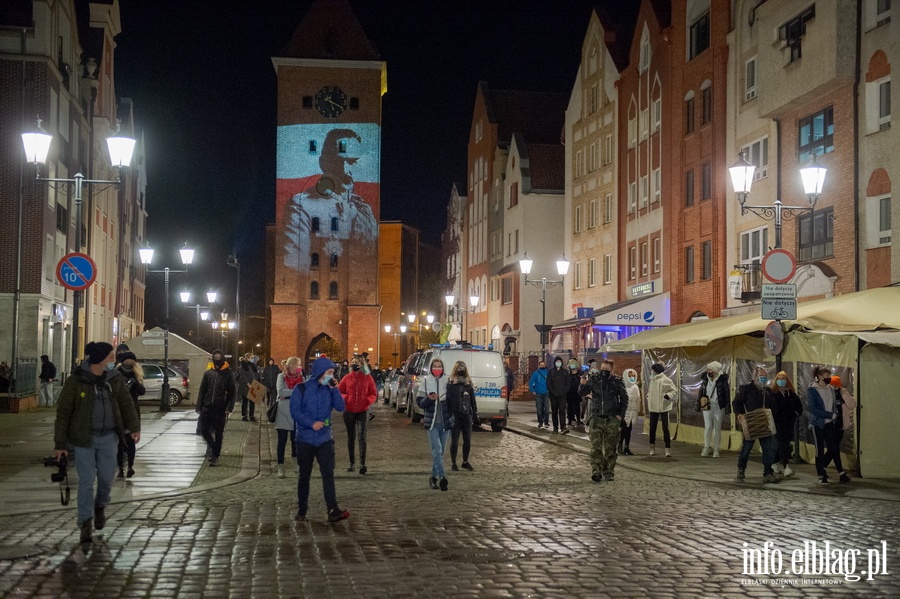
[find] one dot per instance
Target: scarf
(291, 380)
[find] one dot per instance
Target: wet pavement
(528, 522)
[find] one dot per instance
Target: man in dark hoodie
(93, 409)
(557, 388)
(311, 407)
(214, 403)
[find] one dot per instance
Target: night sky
(203, 85)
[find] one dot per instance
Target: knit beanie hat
(97, 351)
(657, 368)
(715, 367)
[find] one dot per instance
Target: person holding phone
(438, 420)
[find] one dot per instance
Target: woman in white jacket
(630, 378)
(659, 404)
(284, 424)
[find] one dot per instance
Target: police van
(488, 374)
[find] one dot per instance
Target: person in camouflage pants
(608, 403)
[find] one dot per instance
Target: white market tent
(149, 347)
(857, 333)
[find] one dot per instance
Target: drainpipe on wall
(856, 78)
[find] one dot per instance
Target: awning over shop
(854, 312)
(650, 311)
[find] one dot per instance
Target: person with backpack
(461, 400)
(537, 384)
(47, 376)
(134, 382)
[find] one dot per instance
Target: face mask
(573, 365)
(437, 371)
(605, 373)
(710, 375)
(461, 373)
(632, 380)
(345, 364)
(326, 379)
(218, 363)
(763, 379)
(111, 366)
(827, 380)
(354, 367)
(127, 367)
(781, 382)
(254, 360)
(558, 364)
(542, 365)
(594, 371)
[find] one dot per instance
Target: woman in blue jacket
(311, 407)
(438, 420)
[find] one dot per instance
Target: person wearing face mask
(537, 384)
(557, 388)
(94, 408)
(134, 381)
(789, 409)
(246, 374)
(359, 392)
(438, 420)
(630, 378)
(752, 396)
(461, 400)
(609, 402)
(290, 377)
(826, 421)
(713, 401)
(311, 406)
(659, 403)
(573, 399)
(215, 402)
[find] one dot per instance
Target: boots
(740, 476)
(86, 530)
(627, 450)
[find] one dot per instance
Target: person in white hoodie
(438, 420)
(659, 404)
(630, 378)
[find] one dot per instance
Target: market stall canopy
(870, 310)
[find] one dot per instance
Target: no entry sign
(76, 271)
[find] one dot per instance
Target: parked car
(179, 385)
(409, 372)
(389, 385)
(488, 375)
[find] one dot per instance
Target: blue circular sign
(76, 271)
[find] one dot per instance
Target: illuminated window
(816, 134)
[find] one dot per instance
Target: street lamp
(562, 267)
(204, 316)
(224, 326)
(37, 147)
(232, 261)
(187, 256)
(452, 306)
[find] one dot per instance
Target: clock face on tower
(331, 101)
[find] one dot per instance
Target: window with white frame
(607, 269)
(657, 185)
(656, 114)
(884, 220)
(645, 124)
(608, 209)
(879, 12)
(792, 32)
(516, 247)
(579, 163)
(754, 245)
(632, 263)
(750, 79)
(632, 132)
(592, 216)
(577, 275)
(884, 104)
(592, 264)
(644, 257)
(699, 35)
(595, 98)
(757, 154)
(594, 157)
(645, 190)
(578, 219)
(644, 62)
(608, 150)
(632, 197)
(657, 254)
(878, 217)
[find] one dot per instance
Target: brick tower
(325, 241)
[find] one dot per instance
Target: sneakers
(352, 467)
(715, 454)
(652, 450)
(279, 471)
(596, 477)
(244, 418)
(130, 472)
(337, 514)
(371, 417)
(823, 480)
(454, 468)
(121, 473)
(540, 425)
(777, 469)
(788, 471)
(771, 478)
(845, 478)
(86, 527)
(609, 477)
(564, 431)
(705, 452)
(99, 517)
(668, 453)
(433, 482)
(445, 484)
(467, 466)
(300, 517)
(556, 431)
(740, 476)
(363, 469)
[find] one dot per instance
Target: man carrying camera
(93, 409)
(608, 404)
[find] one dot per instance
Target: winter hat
(658, 368)
(126, 356)
(97, 351)
(715, 367)
(122, 348)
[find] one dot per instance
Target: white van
(488, 374)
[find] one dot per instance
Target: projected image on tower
(327, 189)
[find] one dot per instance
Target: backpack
(460, 403)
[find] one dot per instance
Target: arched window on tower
(314, 290)
(314, 261)
(334, 260)
(315, 223)
(333, 290)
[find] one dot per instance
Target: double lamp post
(562, 267)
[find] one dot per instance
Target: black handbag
(272, 412)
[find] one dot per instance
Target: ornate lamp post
(562, 267)
(204, 316)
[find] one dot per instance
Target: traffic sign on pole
(76, 271)
(779, 309)
(779, 265)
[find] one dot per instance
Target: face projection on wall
(327, 184)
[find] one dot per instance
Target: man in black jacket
(215, 403)
(47, 376)
(609, 401)
(753, 396)
(557, 387)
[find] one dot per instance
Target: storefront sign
(643, 289)
(651, 312)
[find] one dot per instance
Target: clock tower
(324, 245)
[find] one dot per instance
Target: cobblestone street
(528, 522)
